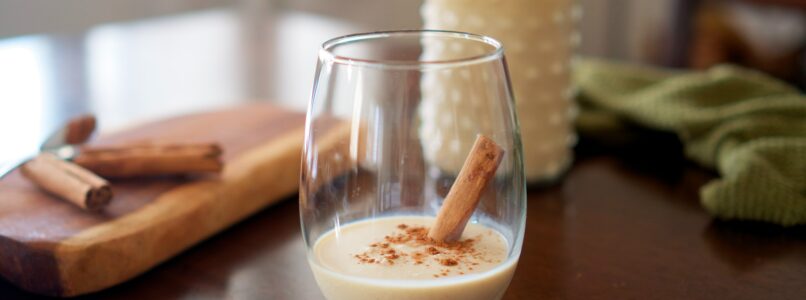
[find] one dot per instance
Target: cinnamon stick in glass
(68, 181)
(479, 168)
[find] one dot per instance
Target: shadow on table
(742, 245)
(745, 246)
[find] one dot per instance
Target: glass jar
(539, 37)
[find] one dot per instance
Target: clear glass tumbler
(375, 172)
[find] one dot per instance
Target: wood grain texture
(49, 247)
(151, 160)
(611, 230)
(626, 226)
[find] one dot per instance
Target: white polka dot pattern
(539, 38)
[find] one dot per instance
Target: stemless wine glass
(392, 117)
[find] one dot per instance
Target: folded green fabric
(747, 126)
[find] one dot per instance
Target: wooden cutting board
(50, 247)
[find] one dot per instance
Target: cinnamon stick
(68, 181)
(479, 168)
(151, 160)
(79, 129)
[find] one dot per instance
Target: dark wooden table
(611, 230)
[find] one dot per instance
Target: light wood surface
(50, 247)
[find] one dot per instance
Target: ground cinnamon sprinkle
(461, 254)
(448, 262)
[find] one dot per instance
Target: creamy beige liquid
(374, 260)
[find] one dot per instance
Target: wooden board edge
(102, 256)
(32, 267)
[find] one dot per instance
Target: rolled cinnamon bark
(151, 160)
(79, 129)
(460, 203)
(68, 181)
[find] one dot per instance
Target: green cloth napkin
(747, 126)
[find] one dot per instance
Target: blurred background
(129, 61)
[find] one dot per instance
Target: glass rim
(326, 51)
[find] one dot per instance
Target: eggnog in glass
(380, 217)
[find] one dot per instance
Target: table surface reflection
(610, 230)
